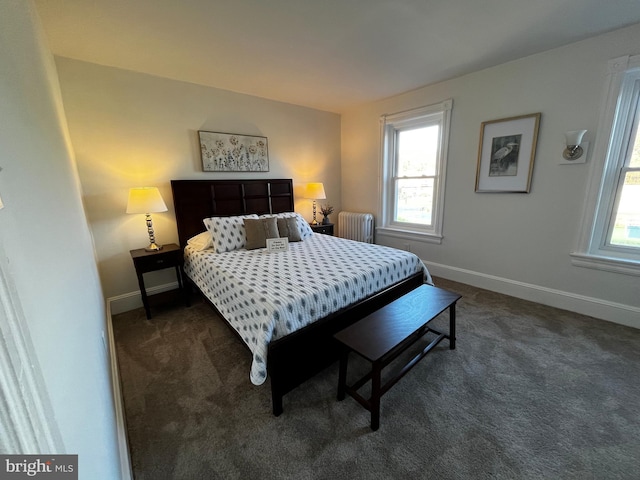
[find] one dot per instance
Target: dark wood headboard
(195, 200)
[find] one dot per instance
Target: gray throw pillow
(258, 231)
(288, 227)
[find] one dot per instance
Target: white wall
(47, 243)
(517, 243)
(129, 129)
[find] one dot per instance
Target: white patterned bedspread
(265, 296)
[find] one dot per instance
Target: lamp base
(153, 247)
(313, 222)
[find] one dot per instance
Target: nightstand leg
(143, 294)
(182, 286)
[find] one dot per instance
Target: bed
(285, 306)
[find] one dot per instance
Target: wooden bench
(385, 334)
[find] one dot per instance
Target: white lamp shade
(574, 137)
(145, 200)
(315, 191)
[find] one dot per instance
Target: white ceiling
(325, 54)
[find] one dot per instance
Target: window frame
(615, 127)
(390, 126)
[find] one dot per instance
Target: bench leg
(342, 376)
(375, 396)
(452, 326)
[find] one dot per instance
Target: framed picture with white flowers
(231, 152)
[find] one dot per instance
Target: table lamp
(147, 200)
(315, 191)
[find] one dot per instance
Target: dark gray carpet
(530, 392)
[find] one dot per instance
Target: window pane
(414, 200)
(418, 151)
(634, 161)
(626, 229)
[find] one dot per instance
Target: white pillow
(303, 225)
(202, 241)
(227, 233)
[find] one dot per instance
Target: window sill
(409, 235)
(608, 264)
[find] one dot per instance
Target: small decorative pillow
(303, 226)
(258, 230)
(227, 233)
(202, 241)
(288, 227)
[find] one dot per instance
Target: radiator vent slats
(356, 226)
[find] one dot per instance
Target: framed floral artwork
(230, 152)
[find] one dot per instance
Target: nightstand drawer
(158, 262)
(326, 229)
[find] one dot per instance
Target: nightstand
(170, 256)
(326, 228)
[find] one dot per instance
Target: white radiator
(356, 226)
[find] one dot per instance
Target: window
(610, 237)
(414, 155)
(624, 226)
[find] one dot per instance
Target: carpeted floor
(531, 392)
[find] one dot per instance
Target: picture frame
(506, 154)
(232, 152)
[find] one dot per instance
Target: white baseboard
(121, 424)
(133, 300)
(595, 307)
